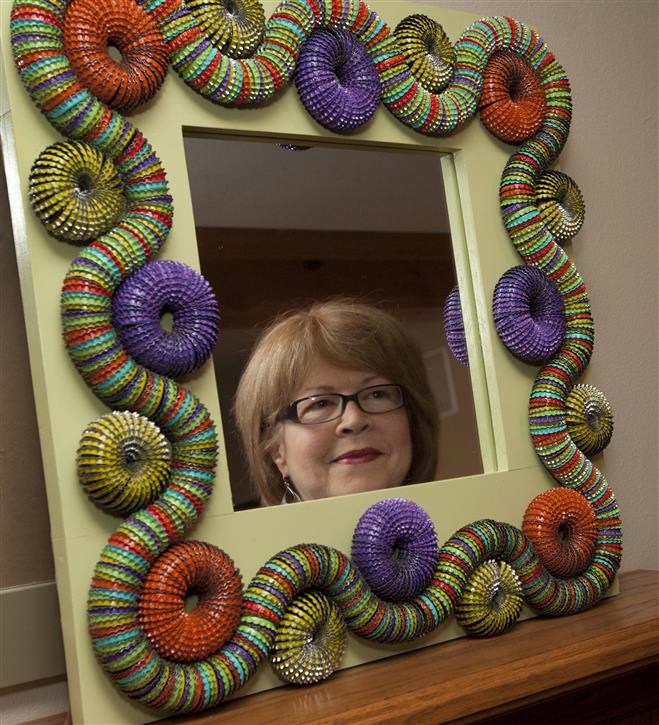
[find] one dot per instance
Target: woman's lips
(363, 455)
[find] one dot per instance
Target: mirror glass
(279, 227)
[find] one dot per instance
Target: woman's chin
(359, 485)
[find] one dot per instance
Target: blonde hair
(347, 333)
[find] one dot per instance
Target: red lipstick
(362, 455)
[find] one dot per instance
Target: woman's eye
(319, 404)
(315, 405)
(379, 394)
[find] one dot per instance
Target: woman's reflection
(334, 400)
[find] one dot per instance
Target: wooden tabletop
(466, 680)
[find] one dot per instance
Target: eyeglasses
(324, 407)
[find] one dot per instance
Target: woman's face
(356, 452)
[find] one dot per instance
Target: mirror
(511, 472)
(300, 224)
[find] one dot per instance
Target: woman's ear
(278, 455)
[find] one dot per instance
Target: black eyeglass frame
(290, 413)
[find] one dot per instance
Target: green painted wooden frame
(472, 162)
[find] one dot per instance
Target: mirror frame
(472, 162)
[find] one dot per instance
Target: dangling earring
(290, 494)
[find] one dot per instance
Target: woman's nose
(354, 419)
